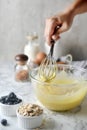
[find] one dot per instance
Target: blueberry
(11, 99)
(12, 95)
(19, 100)
(4, 122)
(3, 101)
(16, 99)
(7, 99)
(3, 98)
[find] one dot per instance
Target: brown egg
(60, 62)
(36, 62)
(39, 57)
(60, 67)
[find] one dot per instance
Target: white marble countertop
(75, 119)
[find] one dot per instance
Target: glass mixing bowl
(66, 91)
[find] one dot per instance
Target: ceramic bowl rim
(28, 117)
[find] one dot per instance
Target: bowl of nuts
(29, 116)
(9, 103)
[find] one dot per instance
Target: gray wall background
(18, 18)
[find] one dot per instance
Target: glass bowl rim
(53, 84)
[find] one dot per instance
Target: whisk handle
(53, 41)
(52, 47)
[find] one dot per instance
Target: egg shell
(39, 57)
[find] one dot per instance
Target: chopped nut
(30, 110)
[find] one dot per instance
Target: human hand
(63, 20)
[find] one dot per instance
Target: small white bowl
(28, 122)
(9, 110)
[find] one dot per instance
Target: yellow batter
(66, 93)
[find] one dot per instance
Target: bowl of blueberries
(9, 104)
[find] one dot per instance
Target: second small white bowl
(28, 122)
(9, 110)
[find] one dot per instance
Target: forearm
(78, 7)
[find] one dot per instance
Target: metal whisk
(48, 67)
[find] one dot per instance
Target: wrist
(71, 10)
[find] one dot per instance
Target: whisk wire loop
(48, 67)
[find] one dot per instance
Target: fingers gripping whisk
(48, 67)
